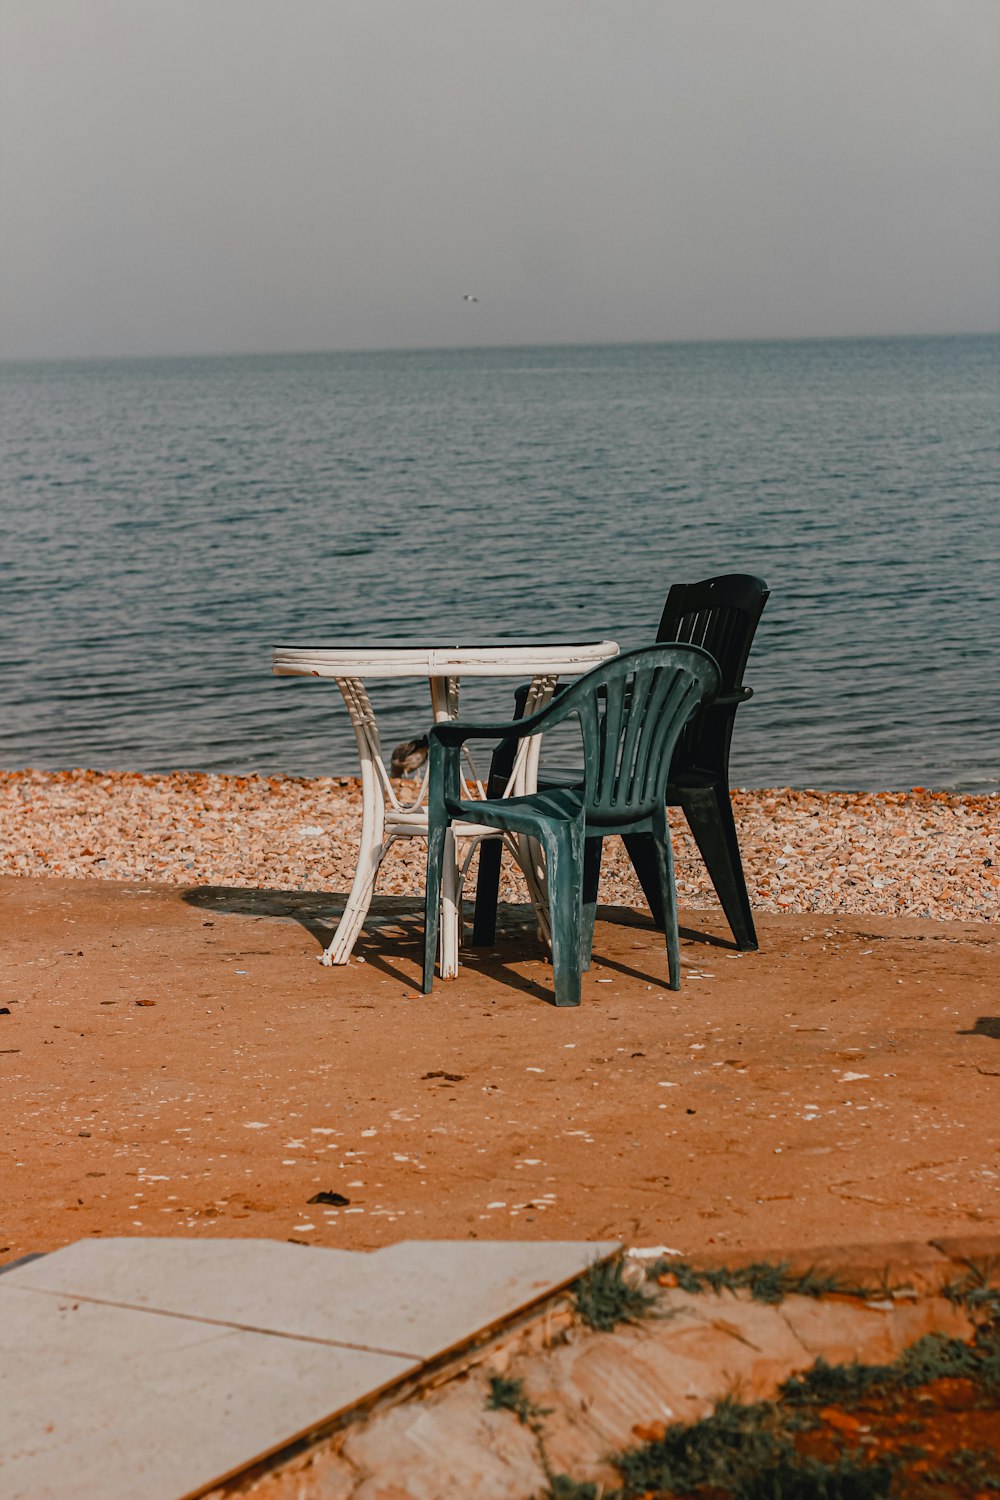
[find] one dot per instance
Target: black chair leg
(484, 921)
(592, 849)
(641, 849)
(709, 812)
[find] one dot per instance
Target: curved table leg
(444, 702)
(373, 846)
(524, 778)
(372, 822)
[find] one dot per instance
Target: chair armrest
(725, 700)
(453, 732)
(444, 754)
(457, 731)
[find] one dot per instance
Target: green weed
(934, 1357)
(603, 1298)
(562, 1487)
(977, 1290)
(766, 1281)
(973, 1466)
(747, 1451)
(510, 1395)
(744, 1451)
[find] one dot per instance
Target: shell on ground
(917, 853)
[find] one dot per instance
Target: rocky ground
(918, 853)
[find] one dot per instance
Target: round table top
(401, 658)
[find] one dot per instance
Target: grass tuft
(510, 1395)
(743, 1451)
(562, 1487)
(603, 1298)
(747, 1452)
(934, 1357)
(766, 1281)
(977, 1291)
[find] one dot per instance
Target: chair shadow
(517, 923)
(985, 1026)
(394, 929)
(628, 916)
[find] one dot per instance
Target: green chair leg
(665, 869)
(432, 900)
(709, 812)
(563, 844)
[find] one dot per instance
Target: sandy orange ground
(178, 1063)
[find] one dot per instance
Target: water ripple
(164, 522)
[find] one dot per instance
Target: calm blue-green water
(165, 521)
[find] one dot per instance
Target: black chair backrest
(721, 615)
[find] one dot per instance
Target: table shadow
(394, 932)
(317, 911)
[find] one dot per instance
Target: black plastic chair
(721, 615)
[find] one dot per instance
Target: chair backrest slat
(631, 770)
(615, 715)
(721, 615)
(631, 711)
(649, 750)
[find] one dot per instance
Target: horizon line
(321, 352)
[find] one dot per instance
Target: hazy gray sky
(227, 175)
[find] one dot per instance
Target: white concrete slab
(416, 1299)
(105, 1403)
(263, 1285)
(447, 1291)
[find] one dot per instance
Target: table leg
(372, 822)
(525, 780)
(444, 702)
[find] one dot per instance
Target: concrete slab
(159, 1367)
(443, 1287)
(414, 1300)
(107, 1403)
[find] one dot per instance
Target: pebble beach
(917, 854)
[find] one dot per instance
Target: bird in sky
(468, 297)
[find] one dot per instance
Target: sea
(165, 522)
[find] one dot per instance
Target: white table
(385, 817)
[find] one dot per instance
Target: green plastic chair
(631, 711)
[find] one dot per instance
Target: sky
(216, 176)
